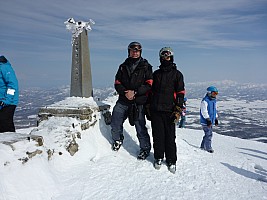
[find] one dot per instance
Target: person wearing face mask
(168, 92)
(133, 81)
(208, 117)
(9, 95)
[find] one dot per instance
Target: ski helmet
(211, 89)
(136, 46)
(166, 52)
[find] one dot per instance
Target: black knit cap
(3, 59)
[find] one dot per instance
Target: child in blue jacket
(9, 95)
(208, 117)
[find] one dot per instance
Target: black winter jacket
(167, 89)
(140, 80)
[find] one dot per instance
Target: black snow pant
(6, 119)
(163, 132)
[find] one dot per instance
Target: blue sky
(212, 40)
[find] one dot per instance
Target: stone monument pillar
(81, 77)
(81, 83)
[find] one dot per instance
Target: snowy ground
(237, 170)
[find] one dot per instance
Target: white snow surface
(237, 170)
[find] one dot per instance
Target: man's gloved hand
(208, 122)
(175, 117)
(177, 108)
(177, 112)
(216, 122)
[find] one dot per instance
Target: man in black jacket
(132, 82)
(167, 93)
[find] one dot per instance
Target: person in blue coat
(9, 95)
(208, 117)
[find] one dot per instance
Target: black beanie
(3, 59)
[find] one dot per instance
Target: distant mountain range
(242, 107)
(229, 89)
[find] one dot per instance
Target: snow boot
(210, 151)
(172, 167)
(157, 163)
(143, 155)
(116, 145)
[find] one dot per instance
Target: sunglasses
(216, 93)
(166, 54)
(135, 48)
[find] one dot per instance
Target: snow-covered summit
(237, 169)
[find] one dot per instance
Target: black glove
(107, 117)
(216, 122)
(208, 122)
(1, 104)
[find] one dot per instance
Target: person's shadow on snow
(246, 173)
(262, 156)
(129, 144)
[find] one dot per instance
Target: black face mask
(165, 62)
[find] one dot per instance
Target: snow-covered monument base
(77, 107)
(78, 114)
(62, 128)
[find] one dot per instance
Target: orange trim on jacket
(117, 82)
(149, 81)
(180, 92)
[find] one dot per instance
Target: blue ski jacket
(208, 109)
(9, 91)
